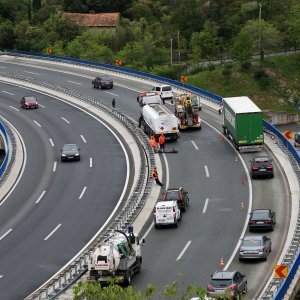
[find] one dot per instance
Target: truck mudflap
(251, 148)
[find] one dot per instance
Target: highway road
(56, 208)
(206, 166)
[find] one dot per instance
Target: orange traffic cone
(242, 205)
(222, 262)
(243, 180)
(221, 137)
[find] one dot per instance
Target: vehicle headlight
(63, 154)
(77, 154)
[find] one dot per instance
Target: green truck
(243, 124)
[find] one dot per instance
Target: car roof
(261, 210)
(253, 237)
(165, 203)
(223, 274)
(29, 98)
(69, 145)
(261, 158)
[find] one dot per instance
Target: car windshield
(251, 243)
(221, 282)
(172, 195)
(30, 99)
(166, 88)
(261, 160)
(106, 79)
(70, 148)
(260, 215)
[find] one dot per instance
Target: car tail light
(210, 288)
(232, 287)
(262, 249)
(242, 250)
(251, 222)
(268, 221)
(254, 168)
(270, 167)
(180, 196)
(174, 128)
(165, 196)
(196, 119)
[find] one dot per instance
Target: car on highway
(70, 152)
(262, 219)
(29, 102)
(229, 283)
(103, 82)
(178, 194)
(261, 166)
(166, 213)
(255, 247)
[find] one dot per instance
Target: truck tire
(128, 275)
(225, 131)
(176, 225)
(156, 226)
(139, 264)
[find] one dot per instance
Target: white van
(165, 92)
(166, 213)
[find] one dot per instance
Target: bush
(264, 82)
(260, 74)
(246, 66)
(226, 72)
(211, 67)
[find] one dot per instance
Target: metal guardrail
(9, 138)
(276, 287)
(127, 214)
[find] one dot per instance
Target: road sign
(118, 62)
(288, 134)
(281, 271)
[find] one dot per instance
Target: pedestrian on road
(113, 102)
(155, 177)
(140, 120)
(161, 142)
(153, 143)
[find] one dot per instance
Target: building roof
(94, 20)
(242, 105)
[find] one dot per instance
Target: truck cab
(165, 92)
(297, 139)
(148, 98)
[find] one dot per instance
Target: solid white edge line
(65, 120)
(47, 237)
(1, 276)
(91, 162)
(183, 250)
(37, 123)
(40, 105)
(205, 206)
(5, 234)
(31, 73)
(82, 137)
(51, 142)
(54, 166)
(194, 144)
(82, 193)
(14, 108)
(78, 83)
(206, 171)
(250, 199)
(40, 197)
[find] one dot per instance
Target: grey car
(255, 247)
(70, 152)
(226, 283)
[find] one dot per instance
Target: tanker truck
(157, 119)
(118, 256)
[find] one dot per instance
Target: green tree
(264, 35)
(36, 5)
(7, 37)
(294, 23)
(242, 49)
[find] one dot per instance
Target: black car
(103, 82)
(262, 166)
(262, 219)
(70, 152)
(178, 194)
(225, 282)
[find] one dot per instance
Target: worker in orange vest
(155, 177)
(161, 142)
(153, 143)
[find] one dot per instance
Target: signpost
(281, 271)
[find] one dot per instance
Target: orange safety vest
(154, 174)
(161, 139)
(153, 143)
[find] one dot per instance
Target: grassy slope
(284, 77)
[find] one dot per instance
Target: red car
(29, 102)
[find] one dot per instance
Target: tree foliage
(242, 49)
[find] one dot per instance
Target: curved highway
(56, 208)
(211, 171)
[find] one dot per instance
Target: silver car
(255, 247)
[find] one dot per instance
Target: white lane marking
(112, 94)
(40, 105)
(7, 93)
(1, 276)
(82, 137)
(51, 142)
(47, 237)
(40, 197)
(206, 171)
(82, 193)
(65, 120)
(54, 166)
(32, 73)
(5, 234)
(183, 250)
(14, 108)
(37, 123)
(205, 206)
(78, 83)
(91, 162)
(2, 67)
(194, 144)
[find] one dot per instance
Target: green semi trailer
(243, 124)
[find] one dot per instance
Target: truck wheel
(176, 225)
(139, 264)
(225, 130)
(128, 275)
(156, 226)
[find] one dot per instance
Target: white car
(165, 92)
(166, 213)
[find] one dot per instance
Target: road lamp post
(171, 52)
(259, 33)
